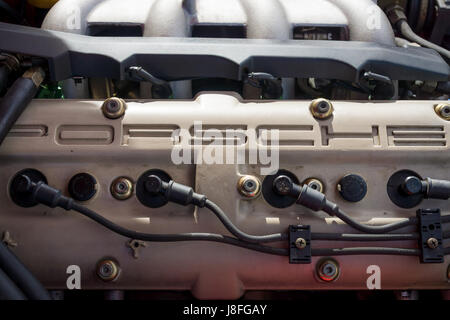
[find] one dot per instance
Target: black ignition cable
(181, 194)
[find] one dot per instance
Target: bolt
(443, 110)
(328, 270)
(321, 108)
(122, 188)
(249, 186)
(300, 243)
(432, 243)
(315, 184)
(283, 185)
(108, 270)
(114, 108)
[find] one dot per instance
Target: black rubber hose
(409, 34)
(173, 237)
(21, 276)
(364, 237)
(8, 290)
(238, 233)
(17, 99)
(365, 251)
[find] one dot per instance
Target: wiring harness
(185, 195)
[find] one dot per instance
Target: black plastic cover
(296, 255)
(71, 55)
(430, 227)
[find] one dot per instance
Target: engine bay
(226, 149)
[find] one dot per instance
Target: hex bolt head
(432, 243)
(114, 108)
(300, 243)
(122, 188)
(249, 186)
(283, 185)
(108, 270)
(321, 108)
(328, 270)
(315, 184)
(443, 110)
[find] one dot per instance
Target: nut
(122, 188)
(249, 186)
(315, 184)
(108, 270)
(432, 243)
(300, 243)
(328, 270)
(321, 108)
(443, 110)
(114, 108)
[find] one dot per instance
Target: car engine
(211, 149)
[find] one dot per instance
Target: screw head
(108, 270)
(113, 108)
(321, 108)
(300, 243)
(249, 186)
(122, 188)
(432, 243)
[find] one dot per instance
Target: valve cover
(367, 141)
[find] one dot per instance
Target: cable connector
(429, 188)
(43, 193)
(306, 196)
(175, 192)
